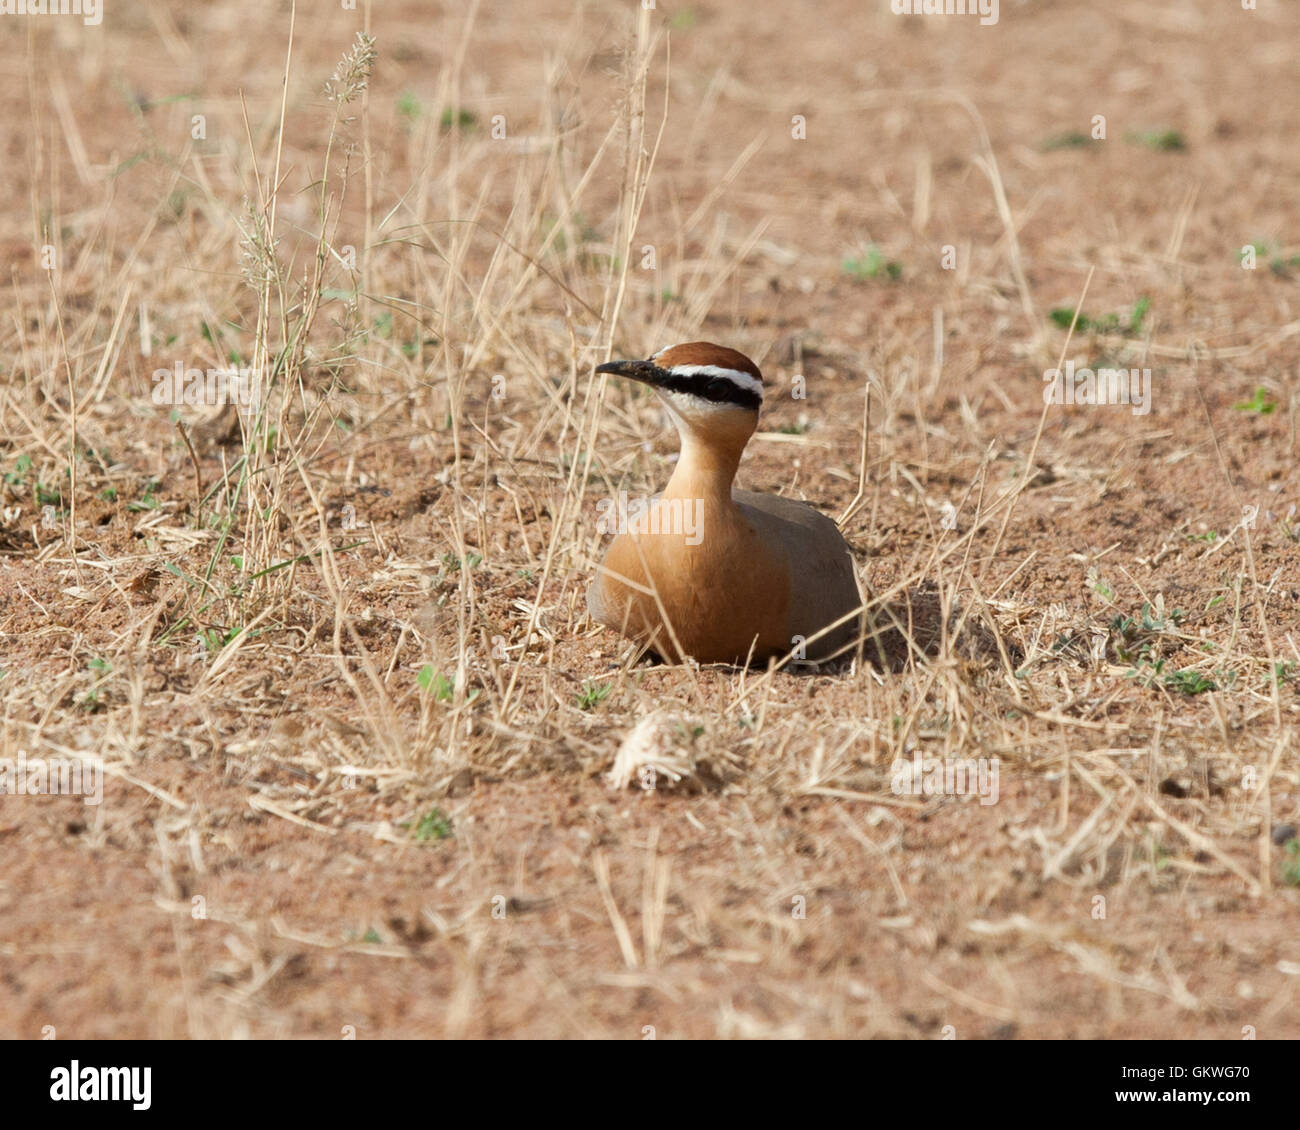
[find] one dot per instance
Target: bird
(709, 572)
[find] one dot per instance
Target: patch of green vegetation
(176, 571)
(1158, 140)
(1071, 140)
(1102, 589)
(683, 19)
(148, 501)
(175, 206)
(1279, 263)
(557, 235)
(438, 685)
(464, 120)
(433, 825)
(1131, 326)
(1189, 681)
(1282, 267)
(44, 495)
(91, 699)
(214, 639)
(872, 265)
(371, 937)
(409, 105)
(412, 347)
(451, 562)
(18, 476)
(1150, 673)
(1210, 536)
(1138, 635)
(1160, 855)
(800, 427)
(1291, 864)
(441, 687)
(1261, 403)
(593, 694)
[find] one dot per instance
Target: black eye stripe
(717, 390)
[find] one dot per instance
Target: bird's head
(707, 388)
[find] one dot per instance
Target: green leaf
(1261, 403)
(442, 688)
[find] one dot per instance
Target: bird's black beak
(647, 372)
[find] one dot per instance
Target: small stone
(1282, 833)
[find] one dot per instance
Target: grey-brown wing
(822, 574)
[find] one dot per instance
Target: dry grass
(354, 615)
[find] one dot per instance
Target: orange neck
(707, 465)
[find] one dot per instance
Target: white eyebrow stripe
(747, 381)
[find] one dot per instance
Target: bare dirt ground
(356, 727)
